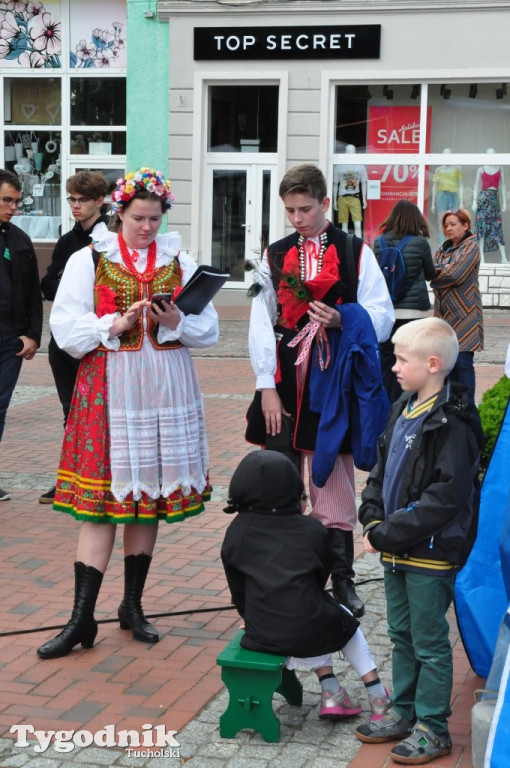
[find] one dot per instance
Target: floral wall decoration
(103, 46)
(30, 34)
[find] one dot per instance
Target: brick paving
(174, 682)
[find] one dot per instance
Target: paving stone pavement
(125, 683)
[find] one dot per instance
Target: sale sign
(395, 130)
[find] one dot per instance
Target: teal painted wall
(147, 87)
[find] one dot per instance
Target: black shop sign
(358, 41)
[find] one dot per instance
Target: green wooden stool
(251, 679)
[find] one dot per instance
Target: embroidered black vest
(337, 237)
(306, 421)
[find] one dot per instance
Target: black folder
(202, 286)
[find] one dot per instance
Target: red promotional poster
(395, 130)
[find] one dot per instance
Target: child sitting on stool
(276, 562)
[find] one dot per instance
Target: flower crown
(144, 178)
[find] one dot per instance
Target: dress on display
(135, 448)
(447, 180)
(488, 222)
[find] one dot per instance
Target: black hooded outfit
(277, 562)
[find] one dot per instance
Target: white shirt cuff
(266, 381)
(103, 327)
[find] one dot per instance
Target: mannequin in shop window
(348, 182)
(447, 189)
(489, 202)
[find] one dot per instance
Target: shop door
(239, 220)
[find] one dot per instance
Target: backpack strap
(352, 278)
(382, 242)
(404, 242)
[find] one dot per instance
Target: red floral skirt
(83, 480)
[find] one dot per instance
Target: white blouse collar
(105, 241)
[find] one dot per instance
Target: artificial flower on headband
(144, 178)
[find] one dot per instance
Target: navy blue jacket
(348, 394)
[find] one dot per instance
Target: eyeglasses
(11, 201)
(78, 200)
(453, 213)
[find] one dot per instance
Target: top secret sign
(358, 41)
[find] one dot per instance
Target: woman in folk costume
(135, 449)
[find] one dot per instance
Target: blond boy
(419, 510)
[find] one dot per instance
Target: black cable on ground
(147, 616)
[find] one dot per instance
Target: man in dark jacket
(20, 297)
(86, 192)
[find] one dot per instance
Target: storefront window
(51, 115)
(481, 190)
(98, 101)
(35, 157)
(243, 118)
(32, 149)
(462, 120)
(469, 117)
(365, 117)
(32, 101)
(98, 142)
(363, 195)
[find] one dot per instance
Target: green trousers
(422, 654)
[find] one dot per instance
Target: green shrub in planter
(492, 409)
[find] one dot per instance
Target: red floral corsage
(106, 300)
(294, 295)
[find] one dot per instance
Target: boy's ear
(325, 204)
(434, 364)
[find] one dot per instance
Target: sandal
(422, 746)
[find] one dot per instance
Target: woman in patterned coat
(457, 292)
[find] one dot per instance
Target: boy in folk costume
(300, 277)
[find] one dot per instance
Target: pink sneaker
(379, 705)
(335, 706)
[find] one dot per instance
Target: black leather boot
(82, 627)
(341, 544)
(136, 568)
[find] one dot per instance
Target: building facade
(391, 99)
(63, 102)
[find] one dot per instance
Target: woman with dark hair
(457, 292)
(135, 450)
(406, 219)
